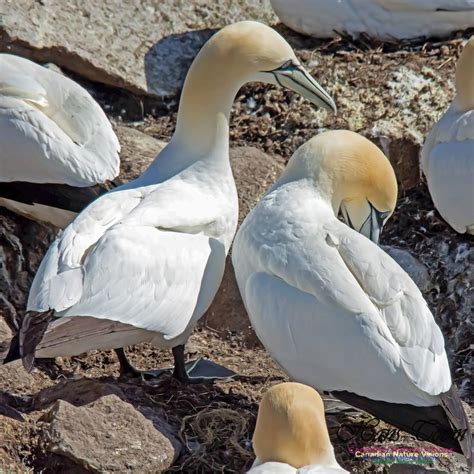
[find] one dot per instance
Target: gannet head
(250, 51)
(291, 428)
(465, 77)
(354, 174)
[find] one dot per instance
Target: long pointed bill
(372, 226)
(296, 78)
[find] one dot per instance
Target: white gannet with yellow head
(332, 308)
(383, 19)
(447, 157)
(291, 435)
(57, 147)
(144, 262)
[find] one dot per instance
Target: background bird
(57, 148)
(447, 157)
(334, 310)
(291, 435)
(383, 19)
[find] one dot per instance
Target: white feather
(51, 129)
(332, 308)
(447, 160)
(385, 19)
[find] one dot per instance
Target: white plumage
(384, 19)
(143, 262)
(332, 308)
(447, 156)
(51, 131)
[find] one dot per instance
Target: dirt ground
(215, 423)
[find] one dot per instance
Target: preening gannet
(56, 144)
(143, 262)
(447, 157)
(291, 435)
(383, 19)
(332, 308)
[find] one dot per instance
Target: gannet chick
(291, 435)
(143, 262)
(57, 147)
(447, 157)
(332, 308)
(382, 19)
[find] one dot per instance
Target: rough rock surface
(254, 172)
(108, 435)
(143, 46)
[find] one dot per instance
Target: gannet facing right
(333, 309)
(291, 435)
(447, 157)
(57, 146)
(383, 19)
(143, 262)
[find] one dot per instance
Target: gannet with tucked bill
(291, 436)
(447, 157)
(383, 19)
(332, 308)
(57, 147)
(143, 262)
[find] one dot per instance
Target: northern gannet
(447, 157)
(143, 262)
(291, 435)
(383, 19)
(332, 308)
(56, 143)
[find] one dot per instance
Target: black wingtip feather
(428, 423)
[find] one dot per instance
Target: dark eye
(287, 65)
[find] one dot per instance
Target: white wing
(338, 313)
(448, 164)
(384, 19)
(137, 257)
(427, 5)
(51, 129)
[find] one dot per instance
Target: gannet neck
(464, 99)
(203, 116)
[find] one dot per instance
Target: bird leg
(192, 372)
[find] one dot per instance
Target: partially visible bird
(447, 157)
(331, 307)
(291, 435)
(143, 262)
(57, 147)
(382, 19)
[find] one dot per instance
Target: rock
(402, 147)
(109, 435)
(22, 246)
(254, 173)
(77, 392)
(143, 46)
(138, 151)
(417, 271)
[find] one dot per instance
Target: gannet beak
(296, 78)
(372, 225)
